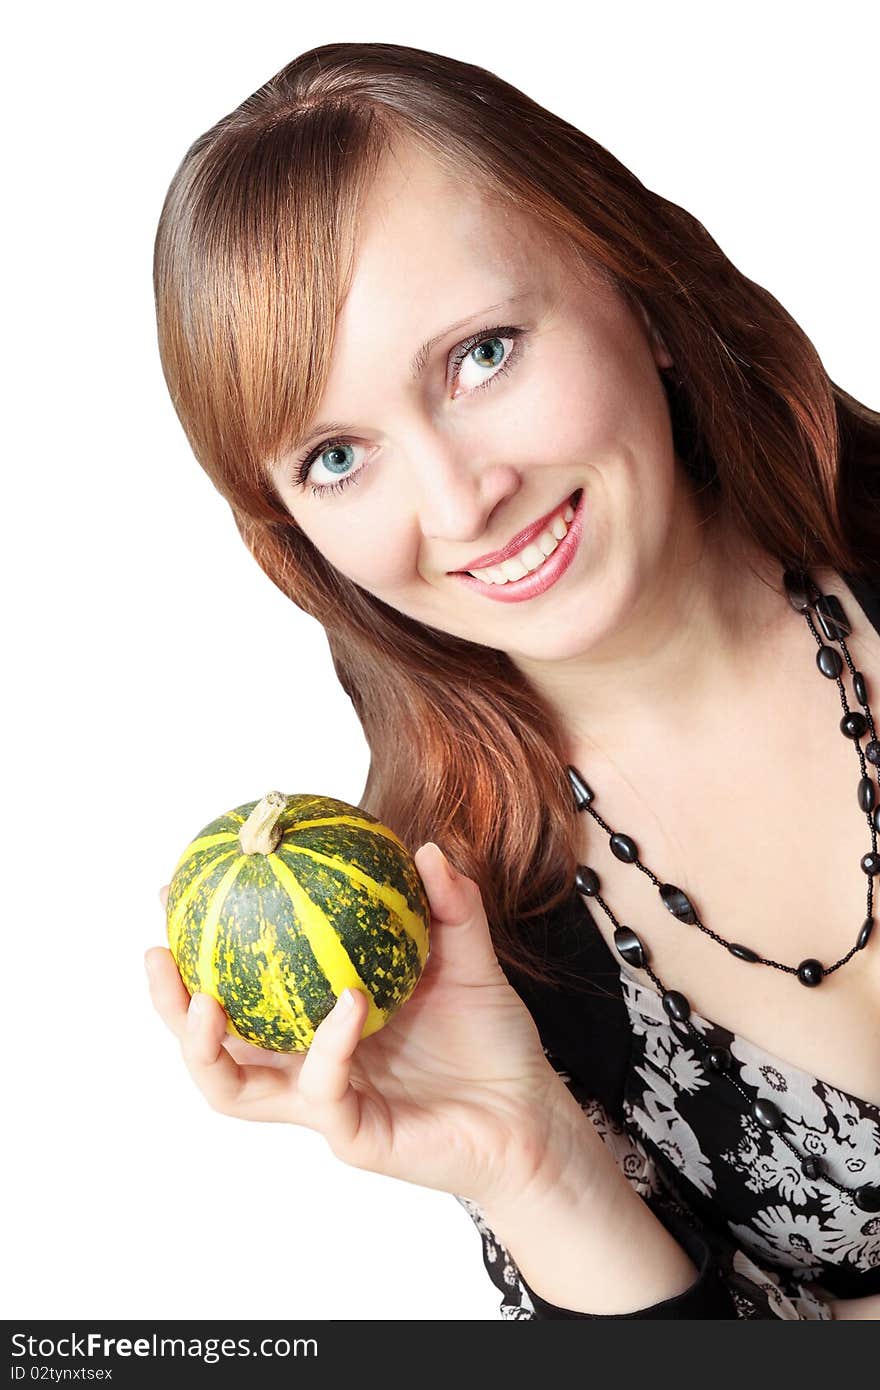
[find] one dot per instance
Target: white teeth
(513, 569)
(533, 555)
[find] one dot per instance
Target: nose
(457, 501)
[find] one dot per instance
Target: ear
(660, 351)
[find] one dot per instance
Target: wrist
(561, 1157)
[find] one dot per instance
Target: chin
(564, 642)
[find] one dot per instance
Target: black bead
(676, 1005)
(853, 724)
(742, 952)
(867, 1197)
(864, 935)
(583, 794)
(799, 589)
(867, 794)
(872, 752)
(860, 687)
(630, 947)
(587, 881)
(832, 619)
(876, 818)
(812, 1166)
(623, 847)
(810, 972)
(870, 862)
(678, 903)
(767, 1114)
(830, 662)
(720, 1058)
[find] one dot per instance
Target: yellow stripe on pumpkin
(208, 974)
(332, 957)
(222, 836)
(374, 827)
(175, 921)
(393, 899)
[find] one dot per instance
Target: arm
(585, 1243)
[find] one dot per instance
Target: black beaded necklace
(805, 597)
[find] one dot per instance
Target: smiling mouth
(570, 502)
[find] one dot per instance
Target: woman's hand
(454, 1093)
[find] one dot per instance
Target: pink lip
(514, 546)
(516, 590)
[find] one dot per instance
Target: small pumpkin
(279, 905)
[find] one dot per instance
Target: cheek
(579, 405)
(587, 391)
(604, 394)
(371, 550)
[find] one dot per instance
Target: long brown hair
(253, 256)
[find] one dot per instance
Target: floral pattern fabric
(772, 1210)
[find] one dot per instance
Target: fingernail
(196, 1010)
(346, 1001)
(450, 872)
(149, 967)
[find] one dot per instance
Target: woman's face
(534, 383)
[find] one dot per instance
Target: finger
(460, 935)
(251, 1093)
(168, 992)
(258, 1092)
(171, 1000)
(331, 1104)
(163, 895)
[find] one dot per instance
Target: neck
(689, 647)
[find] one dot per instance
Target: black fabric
(586, 1027)
(586, 1030)
(867, 591)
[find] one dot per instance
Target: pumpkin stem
(260, 834)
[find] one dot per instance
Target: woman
(500, 326)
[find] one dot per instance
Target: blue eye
(490, 353)
(338, 459)
(491, 348)
(327, 451)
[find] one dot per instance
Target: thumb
(460, 937)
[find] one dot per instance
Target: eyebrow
(417, 366)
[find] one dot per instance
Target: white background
(156, 677)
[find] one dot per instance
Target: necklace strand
(805, 598)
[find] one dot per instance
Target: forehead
(424, 232)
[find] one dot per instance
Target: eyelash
(460, 353)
